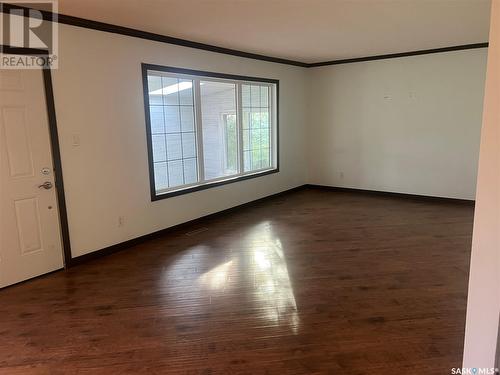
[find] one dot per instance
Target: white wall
(99, 99)
(408, 125)
(483, 304)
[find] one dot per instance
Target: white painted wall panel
(407, 125)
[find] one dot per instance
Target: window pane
(231, 132)
(245, 96)
(266, 161)
(256, 118)
(264, 118)
(255, 139)
(256, 158)
(247, 160)
(157, 119)
(246, 118)
(188, 145)
(170, 91)
(174, 146)
(190, 171)
(159, 151)
(161, 181)
(246, 140)
(185, 92)
(155, 90)
(264, 96)
(187, 118)
(264, 138)
(218, 113)
(255, 96)
(175, 173)
(172, 120)
(173, 131)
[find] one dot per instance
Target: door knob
(46, 185)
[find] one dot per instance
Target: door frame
(54, 144)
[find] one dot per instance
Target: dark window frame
(207, 185)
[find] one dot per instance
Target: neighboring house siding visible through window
(217, 98)
(207, 129)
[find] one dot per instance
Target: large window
(207, 129)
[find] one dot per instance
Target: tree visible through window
(231, 136)
(256, 127)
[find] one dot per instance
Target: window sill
(156, 197)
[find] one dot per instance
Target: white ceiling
(303, 30)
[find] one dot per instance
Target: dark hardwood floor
(312, 282)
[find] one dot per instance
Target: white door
(30, 240)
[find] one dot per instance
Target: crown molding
(401, 54)
(127, 31)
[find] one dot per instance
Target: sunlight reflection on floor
(217, 277)
(266, 267)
